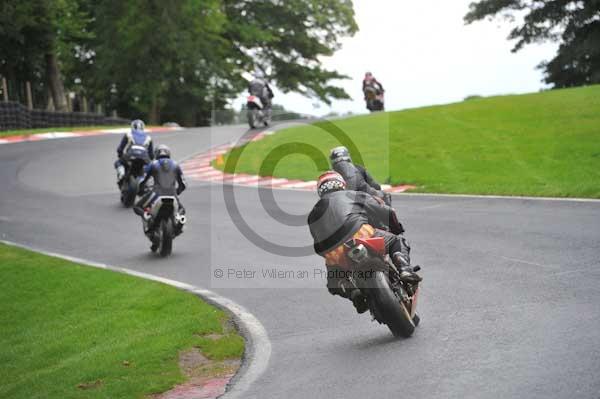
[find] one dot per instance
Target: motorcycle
(256, 112)
(374, 98)
(135, 159)
(162, 222)
(391, 301)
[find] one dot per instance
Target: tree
(32, 35)
(20, 43)
(286, 39)
(173, 60)
(574, 24)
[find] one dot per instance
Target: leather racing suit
(342, 215)
(168, 180)
(261, 89)
(130, 139)
(359, 179)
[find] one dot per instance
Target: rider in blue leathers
(168, 181)
(135, 137)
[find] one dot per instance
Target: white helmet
(138, 125)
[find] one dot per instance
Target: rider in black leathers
(260, 88)
(357, 178)
(340, 215)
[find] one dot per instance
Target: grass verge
(541, 144)
(71, 331)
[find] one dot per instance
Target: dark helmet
(330, 181)
(137, 125)
(339, 154)
(162, 151)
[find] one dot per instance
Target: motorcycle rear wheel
(392, 309)
(129, 193)
(252, 118)
(165, 242)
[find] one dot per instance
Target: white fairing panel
(159, 202)
(255, 100)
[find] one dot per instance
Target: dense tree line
(575, 24)
(169, 60)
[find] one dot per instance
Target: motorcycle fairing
(255, 101)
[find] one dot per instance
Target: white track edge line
(257, 353)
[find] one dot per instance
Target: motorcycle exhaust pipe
(181, 219)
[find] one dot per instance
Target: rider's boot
(120, 174)
(402, 263)
(347, 289)
(359, 301)
(138, 210)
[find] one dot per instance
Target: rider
(341, 215)
(357, 178)
(168, 180)
(260, 88)
(136, 136)
(370, 81)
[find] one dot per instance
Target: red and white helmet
(330, 181)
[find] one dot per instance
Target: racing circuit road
(510, 303)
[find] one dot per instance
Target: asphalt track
(510, 303)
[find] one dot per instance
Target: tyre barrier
(14, 115)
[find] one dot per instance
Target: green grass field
(542, 144)
(71, 331)
(26, 132)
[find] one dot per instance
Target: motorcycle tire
(390, 307)
(128, 196)
(252, 118)
(165, 232)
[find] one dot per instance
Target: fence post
(29, 96)
(4, 89)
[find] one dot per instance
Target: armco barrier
(16, 116)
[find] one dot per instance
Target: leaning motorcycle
(162, 222)
(374, 98)
(391, 301)
(257, 113)
(135, 159)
